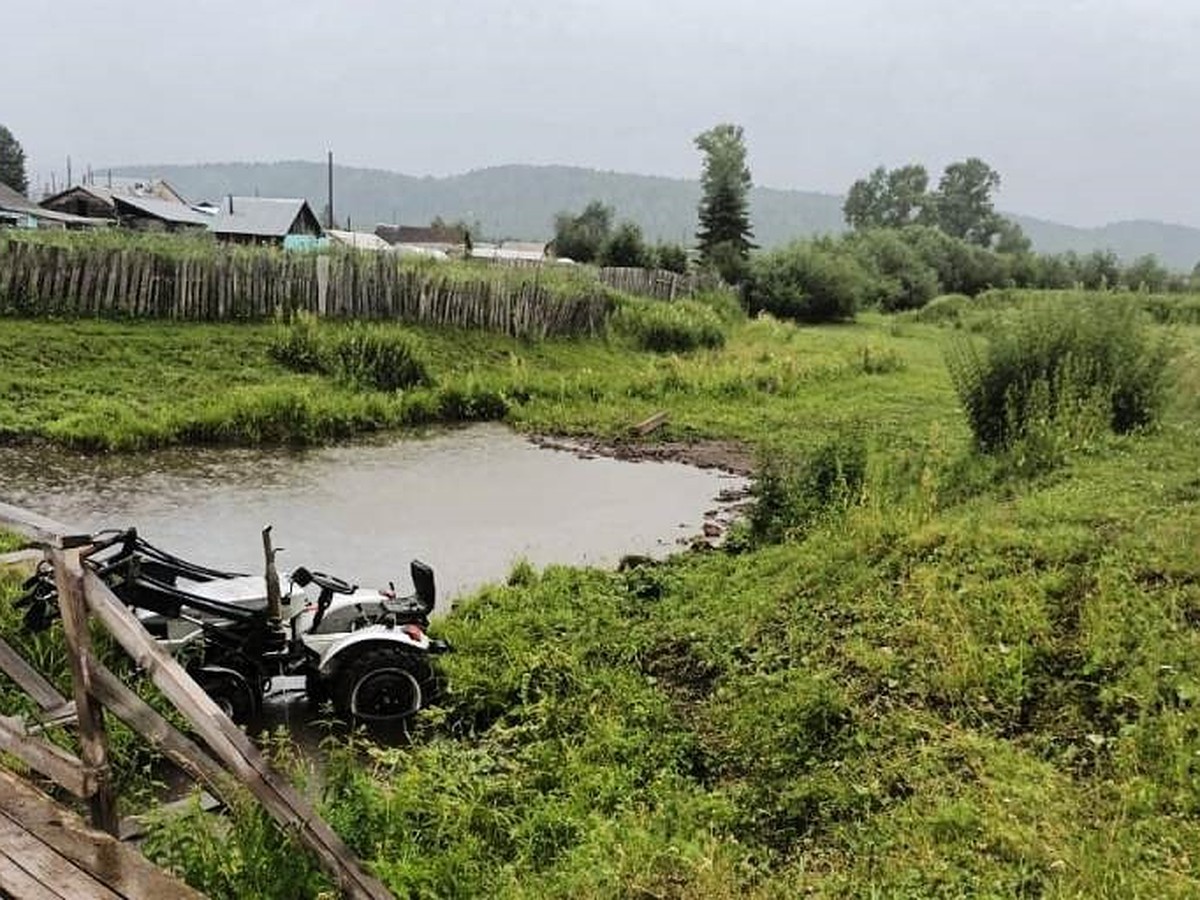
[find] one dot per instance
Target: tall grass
(1062, 365)
(668, 327)
(377, 357)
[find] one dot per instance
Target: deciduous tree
(963, 201)
(582, 237)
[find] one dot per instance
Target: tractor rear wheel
(380, 684)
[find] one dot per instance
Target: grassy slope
(131, 385)
(929, 696)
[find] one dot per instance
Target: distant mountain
(519, 201)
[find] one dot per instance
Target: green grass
(953, 681)
(126, 386)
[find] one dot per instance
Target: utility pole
(68, 171)
(329, 224)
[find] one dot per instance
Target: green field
(965, 675)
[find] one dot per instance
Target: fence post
(93, 739)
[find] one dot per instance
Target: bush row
(830, 279)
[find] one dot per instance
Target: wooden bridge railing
(237, 766)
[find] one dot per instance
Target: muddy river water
(469, 501)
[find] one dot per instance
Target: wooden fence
(38, 279)
(658, 284)
(226, 765)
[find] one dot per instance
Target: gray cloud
(1085, 107)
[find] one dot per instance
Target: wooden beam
(135, 712)
(230, 744)
(51, 760)
(93, 739)
(39, 528)
(29, 679)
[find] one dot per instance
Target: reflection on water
(469, 502)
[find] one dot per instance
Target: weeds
(669, 327)
(791, 494)
(1058, 369)
(375, 357)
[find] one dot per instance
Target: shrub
(671, 257)
(790, 493)
(903, 280)
(807, 282)
(372, 356)
(624, 247)
(1054, 365)
(662, 327)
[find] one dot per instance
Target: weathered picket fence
(658, 284)
(42, 279)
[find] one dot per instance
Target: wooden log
(230, 744)
(93, 738)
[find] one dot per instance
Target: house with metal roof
(17, 211)
(98, 201)
(264, 220)
(358, 240)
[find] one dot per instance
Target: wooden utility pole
(329, 224)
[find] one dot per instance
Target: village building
(267, 220)
(431, 240)
(97, 201)
(17, 211)
(531, 252)
(358, 240)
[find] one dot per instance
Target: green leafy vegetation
(669, 327)
(372, 356)
(922, 672)
(1064, 366)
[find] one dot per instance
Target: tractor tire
(231, 692)
(316, 690)
(380, 685)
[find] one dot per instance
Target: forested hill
(520, 201)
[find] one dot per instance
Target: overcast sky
(1087, 108)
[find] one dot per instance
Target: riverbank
(969, 675)
(128, 386)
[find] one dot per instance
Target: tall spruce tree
(725, 231)
(12, 162)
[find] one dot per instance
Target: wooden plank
(16, 882)
(119, 868)
(49, 759)
(44, 863)
(133, 827)
(39, 528)
(29, 679)
(93, 739)
(230, 744)
(131, 709)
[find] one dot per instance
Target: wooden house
(264, 220)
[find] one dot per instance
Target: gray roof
(10, 199)
(167, 210)
(258, 216)
(13, 201)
